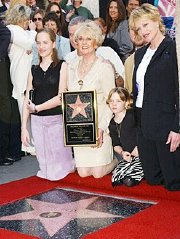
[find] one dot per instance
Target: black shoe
(6, 162)
(130, 182)
(13, 159)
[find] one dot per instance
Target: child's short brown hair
(123, 94)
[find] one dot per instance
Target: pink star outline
(78, 107)
(69, 211)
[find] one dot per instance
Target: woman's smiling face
(113, 10)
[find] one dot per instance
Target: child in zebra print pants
(123, 134)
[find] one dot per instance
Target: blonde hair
(15, 2)
(90, 29)
(19, 13)
(147, 11)
(123, 95)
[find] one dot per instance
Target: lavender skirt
(55, 160)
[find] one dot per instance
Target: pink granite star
(78, 107)
(55, 216)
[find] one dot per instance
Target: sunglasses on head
(37, 19)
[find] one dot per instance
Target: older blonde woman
(20, 49)
(90, 72)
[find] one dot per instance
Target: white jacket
(21, 41)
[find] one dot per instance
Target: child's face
(116, 104)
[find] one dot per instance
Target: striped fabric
(131, 169)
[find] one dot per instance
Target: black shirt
(127, 131)
(46, 86)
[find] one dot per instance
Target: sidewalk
(26, 167)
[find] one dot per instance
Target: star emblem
(78, 107)
(55, 216)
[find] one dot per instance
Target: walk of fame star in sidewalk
(61, 213)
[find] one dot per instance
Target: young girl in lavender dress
(123, 134)
(55, 160)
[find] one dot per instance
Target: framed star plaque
(80, 118)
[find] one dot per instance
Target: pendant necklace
(118, 127)
(80, 82)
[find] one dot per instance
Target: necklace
(83, 70)
(80, 82)
(118, 127)
(120, 120)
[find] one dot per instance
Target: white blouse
(141, 71)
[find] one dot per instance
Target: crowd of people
(125, 56)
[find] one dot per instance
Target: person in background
(138, 42)
(131, 5)
(62, 44)
(33, 6)
(20, 52)
(117, 27)
(156, 99)
(55, 160)
(106, 52)
(90, 72)
(107, 41)
(72, 27)
(92, 5)
(37, 18)
(123, 133)
(15, 2)
(60, 2)
(55, 7)
(41, 4)
(76, 9)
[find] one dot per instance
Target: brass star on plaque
(78, 107)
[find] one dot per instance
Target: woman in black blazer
(156, 99)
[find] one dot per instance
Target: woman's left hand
(173, 140)
(30, 106)
(100, 138)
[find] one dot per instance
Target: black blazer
(5, 37)
(160, 110)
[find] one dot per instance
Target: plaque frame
(80, 118)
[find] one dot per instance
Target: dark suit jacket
(5, 82)
(160, 110)
(5, 37)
